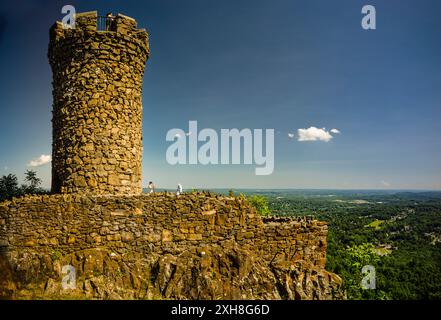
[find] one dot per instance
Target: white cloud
(188, 133)
(385, 183)
(177, 135)
(314, 134)
(42, 160)
(336, 131)
(290, 135)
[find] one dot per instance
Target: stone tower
(97, 109)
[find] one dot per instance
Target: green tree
(261, 204)
(355, 258)
(34, 182)
(9, 187)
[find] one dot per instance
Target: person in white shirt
(151, 187)
(179, 190)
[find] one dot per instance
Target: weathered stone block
(220, 219)
(113, 237)
(113, 180)
(80, 182)
(194, 236)
(167, 236)
(209, 212)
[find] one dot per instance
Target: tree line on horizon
(9, 186)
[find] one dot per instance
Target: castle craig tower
(97, 108)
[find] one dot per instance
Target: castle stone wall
(192, 246)
(155, 224)
(97, 107)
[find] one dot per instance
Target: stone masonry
(97, 109)
(193, 246)
(156, 223)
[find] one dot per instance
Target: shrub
(261, 204)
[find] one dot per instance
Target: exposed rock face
(97, 109)
(195, 246)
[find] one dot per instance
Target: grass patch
(376, 224)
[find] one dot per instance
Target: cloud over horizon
(41, 160)
(315, 134)
(385, 183)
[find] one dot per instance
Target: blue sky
(277, 64)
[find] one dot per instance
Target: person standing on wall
(179, 190)
(151, 187)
